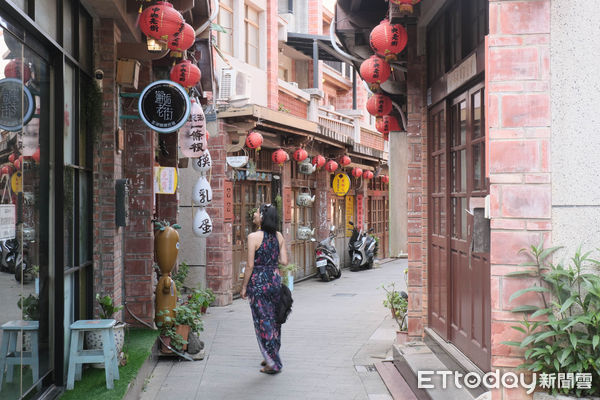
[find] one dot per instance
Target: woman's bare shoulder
(280, 236)
(255, 235)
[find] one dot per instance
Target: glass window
(46, 16)
(225, 19)
(252, 36)
(69, 126)
(68, 26)
(86, 42)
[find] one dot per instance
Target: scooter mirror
(313, 239)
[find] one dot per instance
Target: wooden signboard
(228, 215)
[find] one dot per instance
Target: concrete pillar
(316, 95)
(356, 115)
(398, 161)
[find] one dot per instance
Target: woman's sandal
(263, 363)
(267, 370)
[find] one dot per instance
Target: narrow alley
(335, 333)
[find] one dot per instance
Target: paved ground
(335, 333)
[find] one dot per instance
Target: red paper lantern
(18, 162)
(345, 160)
(279, 156)
(7, 169)
(12, 157)
(392, 123)
(160, 21)
(381, 126)
(375, 71)
(379, 105)
(368, 175)
(36, 155)
(357, 172)
(183, 39)
(386, 136)
(254, 140)
(385, 179)
(185, 73)
(387, 40)
(16, 69)
(406, 5)
(300, 155)
(331, 166)
(319, 161)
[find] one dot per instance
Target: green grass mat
(138, 344)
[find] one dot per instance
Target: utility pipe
(402, 116)
(210, 19)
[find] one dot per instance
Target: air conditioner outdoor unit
(235, 86)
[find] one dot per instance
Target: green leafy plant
(286, 271)
(563, 335)
(186, 314)
(107, 306)
(30, 306)
(251, 212)
(176, 340)
(180, 275)
(162, 225)
(201, 298)
(397, 303)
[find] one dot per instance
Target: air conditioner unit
(235, 85)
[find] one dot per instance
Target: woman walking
(262, 284)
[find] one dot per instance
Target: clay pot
(166, 248)
(184, 331)
(401, 337)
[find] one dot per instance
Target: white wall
(575, 143)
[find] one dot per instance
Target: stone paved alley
(335, 333)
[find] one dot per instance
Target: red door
(460, 277)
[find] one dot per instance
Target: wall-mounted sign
(16, 104)
(164, 106)
(287, 204)
(236, 161)
(341, 184)
(7, 221)
(16, 182)
(461, 74)
(359, 211)
(349, 214)
(228, 213)
(165, 180)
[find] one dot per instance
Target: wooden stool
(108, 354)
(10, 356)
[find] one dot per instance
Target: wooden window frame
(247, 24)
(221, 35)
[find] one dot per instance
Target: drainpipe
(212, 17)
(337, 48)
(315, 64)
(402, 116)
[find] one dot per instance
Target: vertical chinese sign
(349, 214)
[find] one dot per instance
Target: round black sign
(16, 104)
(164, 106)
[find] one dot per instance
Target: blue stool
(107, 356)
(9, 355)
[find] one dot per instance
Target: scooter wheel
(333, 271)
(325, 277)
(355, 266)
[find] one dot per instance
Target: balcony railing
(336, 125)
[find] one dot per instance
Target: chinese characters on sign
(341, 184)
(228, 214)
(165, 180)
(16, 104)
(359, 211)
(164, 106)
(349, 214)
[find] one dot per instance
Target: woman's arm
(249, 264)
(283, 258)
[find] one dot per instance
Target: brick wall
(371, 139)
(518, 118)
(295, 106)
(108, 261)
(416, 189)
(272, 55)
(219, 263)
(315, 17)
(139, 237)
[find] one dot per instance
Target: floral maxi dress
(264, 291)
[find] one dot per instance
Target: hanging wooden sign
(228, 214)
(164, 106)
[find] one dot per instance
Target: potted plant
(168, 333)
(397, 302)
(30, 306)
(93, 340)
(187, 319)
(287, 275)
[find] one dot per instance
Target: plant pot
(93, 341)
(203, 309)
(164, 342)
(184, 331)
(401, 337)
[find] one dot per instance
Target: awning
(304, 43)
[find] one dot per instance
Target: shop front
(45, 191)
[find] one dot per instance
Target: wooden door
(460, 279)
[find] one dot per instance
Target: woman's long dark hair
(269, 220)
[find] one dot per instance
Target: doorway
(459, 285)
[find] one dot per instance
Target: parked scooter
(327, 259)
(9, 253)
(362, 248)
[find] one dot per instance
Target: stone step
(413, 357)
